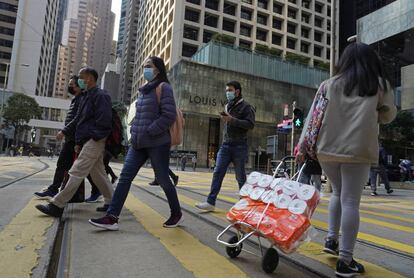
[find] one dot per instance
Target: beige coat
(349, 131)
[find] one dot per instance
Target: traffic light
(297, 118)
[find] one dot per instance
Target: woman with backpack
(359, 98)
(150, 138)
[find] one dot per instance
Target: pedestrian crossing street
(385, 244)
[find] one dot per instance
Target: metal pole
(292, 142)
(4, 91)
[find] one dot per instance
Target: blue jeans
(135, 159)
(236, 153)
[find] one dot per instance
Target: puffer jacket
(152, 119)
(71, 114)
(94, 117)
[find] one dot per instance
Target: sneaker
(45, 194)
(154, 183)
(390, 191)
(94, 198)
(175, 180)
(174, 221)
(331, 247)
(205, 206)
(104, 208)
(351, 270)
(374, 193)
(108, 222)
(51, 210)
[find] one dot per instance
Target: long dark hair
(360, 66)
(159, 64)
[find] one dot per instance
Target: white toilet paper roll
(246, 190)
(243, 203)
(267, 196)
(276, 182)
(306, 192)
(257, 193)
(290, 186)
(297, 206)
(253, 178)
(265, 181)
(283, 201)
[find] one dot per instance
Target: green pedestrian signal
(298, 118)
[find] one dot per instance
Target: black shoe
(174, 221)
(114, 179)
(331, 247)
(374, 193)
(104, 208)
(154, 183)
(351, 270)
(50, 209)
(390, 191)
(175, 180)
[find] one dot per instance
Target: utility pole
(292, 141)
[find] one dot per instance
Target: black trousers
(64, 163)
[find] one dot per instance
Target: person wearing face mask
(150, 138)
(239, 118)
(91, 126)
(65, 159)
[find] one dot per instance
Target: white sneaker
(205, 206)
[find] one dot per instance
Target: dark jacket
(152, 119)
(243, 115)
(94, 117)
(71, 114)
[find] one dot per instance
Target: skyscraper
(8, 13)
(120, 42)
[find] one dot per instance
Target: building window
(317, 51)
(277, 23)
(192, 15)
(262, 4)
(306, 18)
(276, 39)
(247, 2)
(246, 14)
(328, 54)
(8, 7)
(304, 47)
(305, 33)
(212, 4)
(189, 50)
(328, 25)
(292, 1)
(262, 19)
(318, 36)
(318, 7)
(328, 11)
(291, 13)
(228, 25)
(291, 43)
(210, 20)
(245, 45)
(291, 28)
(5, 55)
(306, 4)
(245, 30)
(207, 36)
(318, 22)
(261, 35)
(8, 19)
(328, 39)
(6, 31)
(277, 8)
(194, 1)
(6, 43)
(190, 33)
(229, 8)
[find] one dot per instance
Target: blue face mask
(82, 84)
(149, 74)
(230, 95)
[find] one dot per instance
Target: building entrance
(213, 139)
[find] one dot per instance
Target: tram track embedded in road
(45, 166)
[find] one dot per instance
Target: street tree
(19, 109)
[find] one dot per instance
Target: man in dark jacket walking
(93, 124)
(239, 118)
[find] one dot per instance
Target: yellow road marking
(196, 257)
(20, 240)
(312, 250)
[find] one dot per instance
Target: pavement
(38, 246)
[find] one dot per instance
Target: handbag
(320, 103)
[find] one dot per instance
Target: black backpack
(114, 140)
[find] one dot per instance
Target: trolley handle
(243, 238)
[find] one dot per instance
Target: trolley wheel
(270, 260)
(233, 252)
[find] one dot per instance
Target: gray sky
(116, 8)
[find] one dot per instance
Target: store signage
(209, 101)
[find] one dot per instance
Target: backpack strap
(158, 92)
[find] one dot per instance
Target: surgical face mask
(230, 95)
(149, 74)
(71, 90)
(82, 84)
